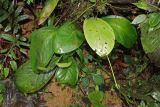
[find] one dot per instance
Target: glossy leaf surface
(68, 38)
(41, 49)
(124, 31)
(68, 75)
(99, 35)
(28, 81)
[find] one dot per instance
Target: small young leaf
(93, 1)
(2, 51)
(139, 19)
(99, 35)
(13, 65)
(154, 19)
(5, 72)
(64, 65)
(22, 18)
(68, 75)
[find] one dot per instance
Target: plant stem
(114, 78)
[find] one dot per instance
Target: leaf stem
(114, 78)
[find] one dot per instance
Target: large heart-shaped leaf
(99, 35)
(68, 38)
(28, 81)
(47, 10)
(125, 32)
(68, 75)
(41, 49)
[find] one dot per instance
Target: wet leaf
(41, 49)
(68, 38)
(47, 10)
(124, 31)
(139, 19)
(99, 35)
(28, 81)
(68, 75)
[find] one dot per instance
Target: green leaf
(139, 19)
(18, 11)
(13, 65)
(68, 75)
(2, 88)
(22, 18)
(28, 81)
(142, 4)
(98, 80)
(153, 104)
(150, 39)
(64, 65)
(154, 19)
(96, 98)
(8, 37)
(47, 10)
(99, 35)
(124, 31)
(8, 28)
(3, 51)
(11, 7)
(68, 38)
(41, 49)
(5, 72)
(93, 1)
(3, 15)
(1, 98)
(47, 40)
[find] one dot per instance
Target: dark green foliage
(11, 15)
